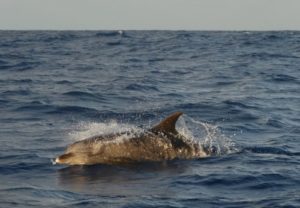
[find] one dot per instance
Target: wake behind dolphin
(159, 143)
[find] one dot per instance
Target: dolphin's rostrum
(162, 142)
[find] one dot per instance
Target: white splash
(53, 161)
(206, 134)
(89, 129)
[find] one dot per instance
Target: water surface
(58, 87)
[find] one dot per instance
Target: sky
(150, 14)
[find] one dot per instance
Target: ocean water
(238, 90)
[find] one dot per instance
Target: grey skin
(160, 143)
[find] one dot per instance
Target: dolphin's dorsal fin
(168, 124)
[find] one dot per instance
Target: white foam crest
(206, 134)
(85, 130)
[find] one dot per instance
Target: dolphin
(160, 143)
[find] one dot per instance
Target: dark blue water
(57, 87)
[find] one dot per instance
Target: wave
(271, 150)
(17, 92)
(34, 106)
(74, 109)
(22, 66)
(116, 43)
(139, 87)
(38, 196)
(3, 63)
(22, 163)
(216, 180)
(267, 55)
(274, 37)
(3, 101)
(67, 82)
(56, 36)
(239, 104)
(240, 181)
(284, 78)
(40, 107)
(85, 95)
(110, 33)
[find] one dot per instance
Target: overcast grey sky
(151, 14)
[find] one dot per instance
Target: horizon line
(188, 30)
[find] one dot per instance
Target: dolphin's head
(75, 154)
(63, 159)
(70, 158)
